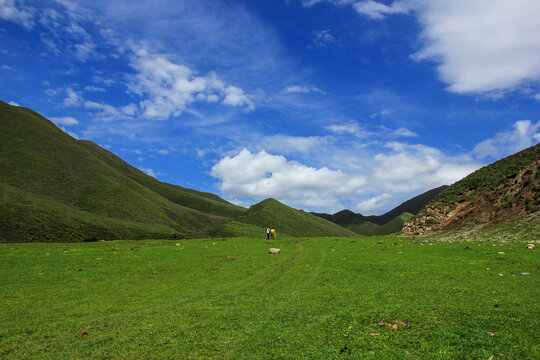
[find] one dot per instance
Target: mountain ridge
(387, 223)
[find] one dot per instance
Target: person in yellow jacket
(273, 233)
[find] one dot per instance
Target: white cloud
(286, 144)
(322, 38)
(50, 92)
(400, 172)
(486, 47)
(404, 132)
(163, 151)
(11, 10)
(303, 89)
(377, 10)
(351, 128)
(94, 88)
(524, 134)
(67, 121)
(482, 46)
(73, 99)
(416, 168)
(13, 103)
(106, 112)
(373, 204)
(150, 172)
(168, 88)
(262, 175)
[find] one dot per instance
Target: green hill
(289, 221)
(503, 192)
(57, 188)
(388, 223)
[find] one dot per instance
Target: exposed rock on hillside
(505, 190)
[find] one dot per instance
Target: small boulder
(274, 251)
(530, 246)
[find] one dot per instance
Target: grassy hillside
(44, 168)
(388, 223)
(289, 221)
(505, 191)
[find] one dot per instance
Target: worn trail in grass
(321, 298)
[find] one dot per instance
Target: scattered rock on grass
(525, 273)
(84, 332)
(530, 246)
(274, 251)
(467, 248)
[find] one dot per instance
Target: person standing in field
(268, 233)
(273, 232)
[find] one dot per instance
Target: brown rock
(84, 332)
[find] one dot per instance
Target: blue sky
(321, 104)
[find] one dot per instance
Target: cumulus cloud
(67, 121)
(409, 168)
(523, 134)
(262, 175)
(401, 171)
(169, 88)
(373, 204)
(13, 103)
(482, 45)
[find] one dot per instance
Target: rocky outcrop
(517, 196)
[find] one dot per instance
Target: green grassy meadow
(321, 298)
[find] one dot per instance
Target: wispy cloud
(377, 10)
(73, 99)
(11, 10)
(322, 38)
(303, 89)
(523, 134)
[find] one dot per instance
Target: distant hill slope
(506, 190)
(388, 223)
(57, 188)
(289, 221)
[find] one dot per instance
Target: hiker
(273, 232)
(174, 236)
(268, 233)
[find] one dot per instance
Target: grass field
(321, 298)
